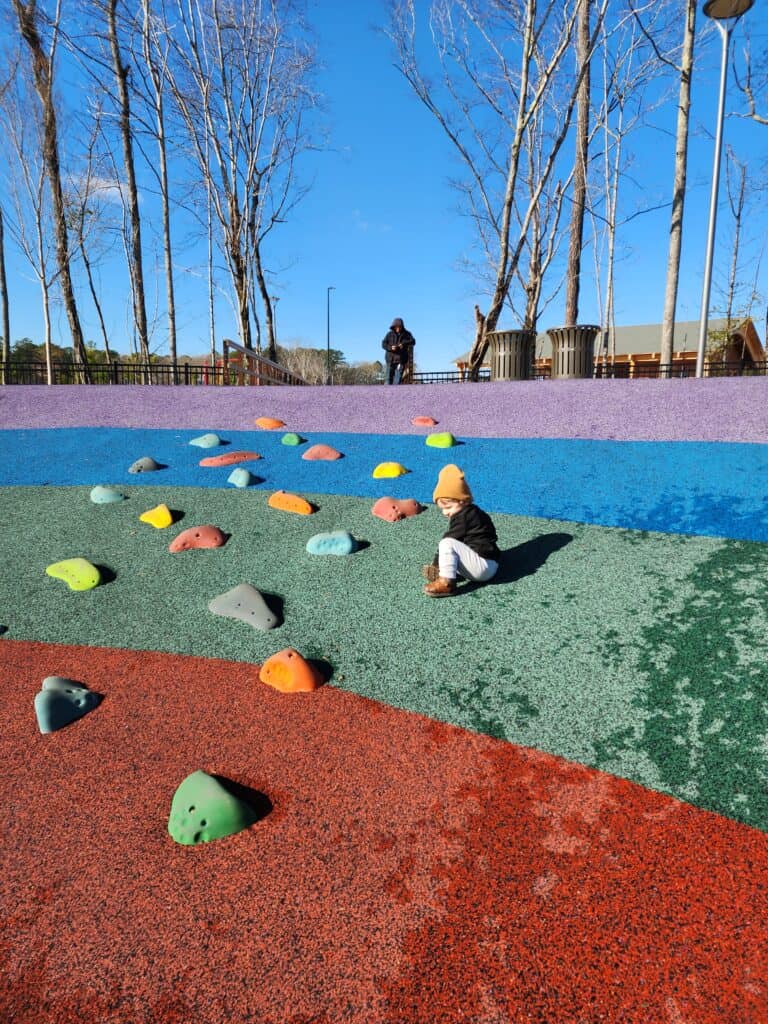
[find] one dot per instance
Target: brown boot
(430, 572)
(441, 588)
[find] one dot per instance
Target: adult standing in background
(398, 345)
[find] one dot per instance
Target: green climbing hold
(203, 810)
(292, 439)
(441, 440)
(77, 573)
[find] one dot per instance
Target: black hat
(397, 322)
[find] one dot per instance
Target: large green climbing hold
(203, 810)
(441, 440)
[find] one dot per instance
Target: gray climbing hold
(206, 441)
(144, 465)
(245, 603)
(240, 477)
(340, 542)
(61, 701)
(105, 495)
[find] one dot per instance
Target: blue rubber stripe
(704, 488)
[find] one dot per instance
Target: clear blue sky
(381, 223)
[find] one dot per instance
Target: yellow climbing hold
(388, 469)
(77, 573)
(159, 517)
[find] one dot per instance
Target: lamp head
(721, 10)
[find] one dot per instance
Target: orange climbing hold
(290, 503)
(267, 423)
(229, 459)
(288, 672)
(423, 421)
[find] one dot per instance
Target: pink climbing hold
(423, 421)
(198, 537)
(392, 510)
(229, 459)
(321, 451)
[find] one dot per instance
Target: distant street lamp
(725, 14)
(275, 299)
(328, 291)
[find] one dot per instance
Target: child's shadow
(523, 560)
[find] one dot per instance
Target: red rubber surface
(409, 871)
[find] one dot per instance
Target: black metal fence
(196, 374)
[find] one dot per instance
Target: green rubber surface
(643, 654)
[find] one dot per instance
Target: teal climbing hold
(206, 441)
(61, 701)
(203, 810)
(292, 439)
(105, 495)
(444, 440)
(339, 542)
(240, 477)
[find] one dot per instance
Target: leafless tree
(30, 225)
(752, 78)
(43, 62)
(485, 105)
(241, 83)
(685, 71)
(626, 67)
(581, 156)
(5, 316)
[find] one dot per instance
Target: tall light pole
(275, 299)
(328, 291)
(725, 14)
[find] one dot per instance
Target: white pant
(455, 558)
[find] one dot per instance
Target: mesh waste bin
(512, 354)
(573, 351)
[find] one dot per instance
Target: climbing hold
(198, 537)
(61, 701)
(159, 517)
(288, 672)
(290, 503)
(423, 421)
(203, 810)
(392, 510)
(206, 441)
(267, 423)
(388, 469)
(445, 440)
(229, 459)
(292, 439)
(340, 542)
(77, 573)
(144, 465)
(321, 452)
(240, 478)
(245, 603)
(106, 495)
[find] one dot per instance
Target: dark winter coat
(398, 356)
(475, 528)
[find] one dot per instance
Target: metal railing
(253, 368)
(270, 373)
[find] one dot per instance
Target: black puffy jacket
(404, 338)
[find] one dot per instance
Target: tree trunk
(678, 192)
(136, 266)
(580, 167)
(5, 319)
(43, 74)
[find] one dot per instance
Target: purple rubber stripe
(727, 409)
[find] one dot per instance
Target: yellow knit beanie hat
(451, 484)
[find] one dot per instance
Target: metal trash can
(512, 354)
(573, 351)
